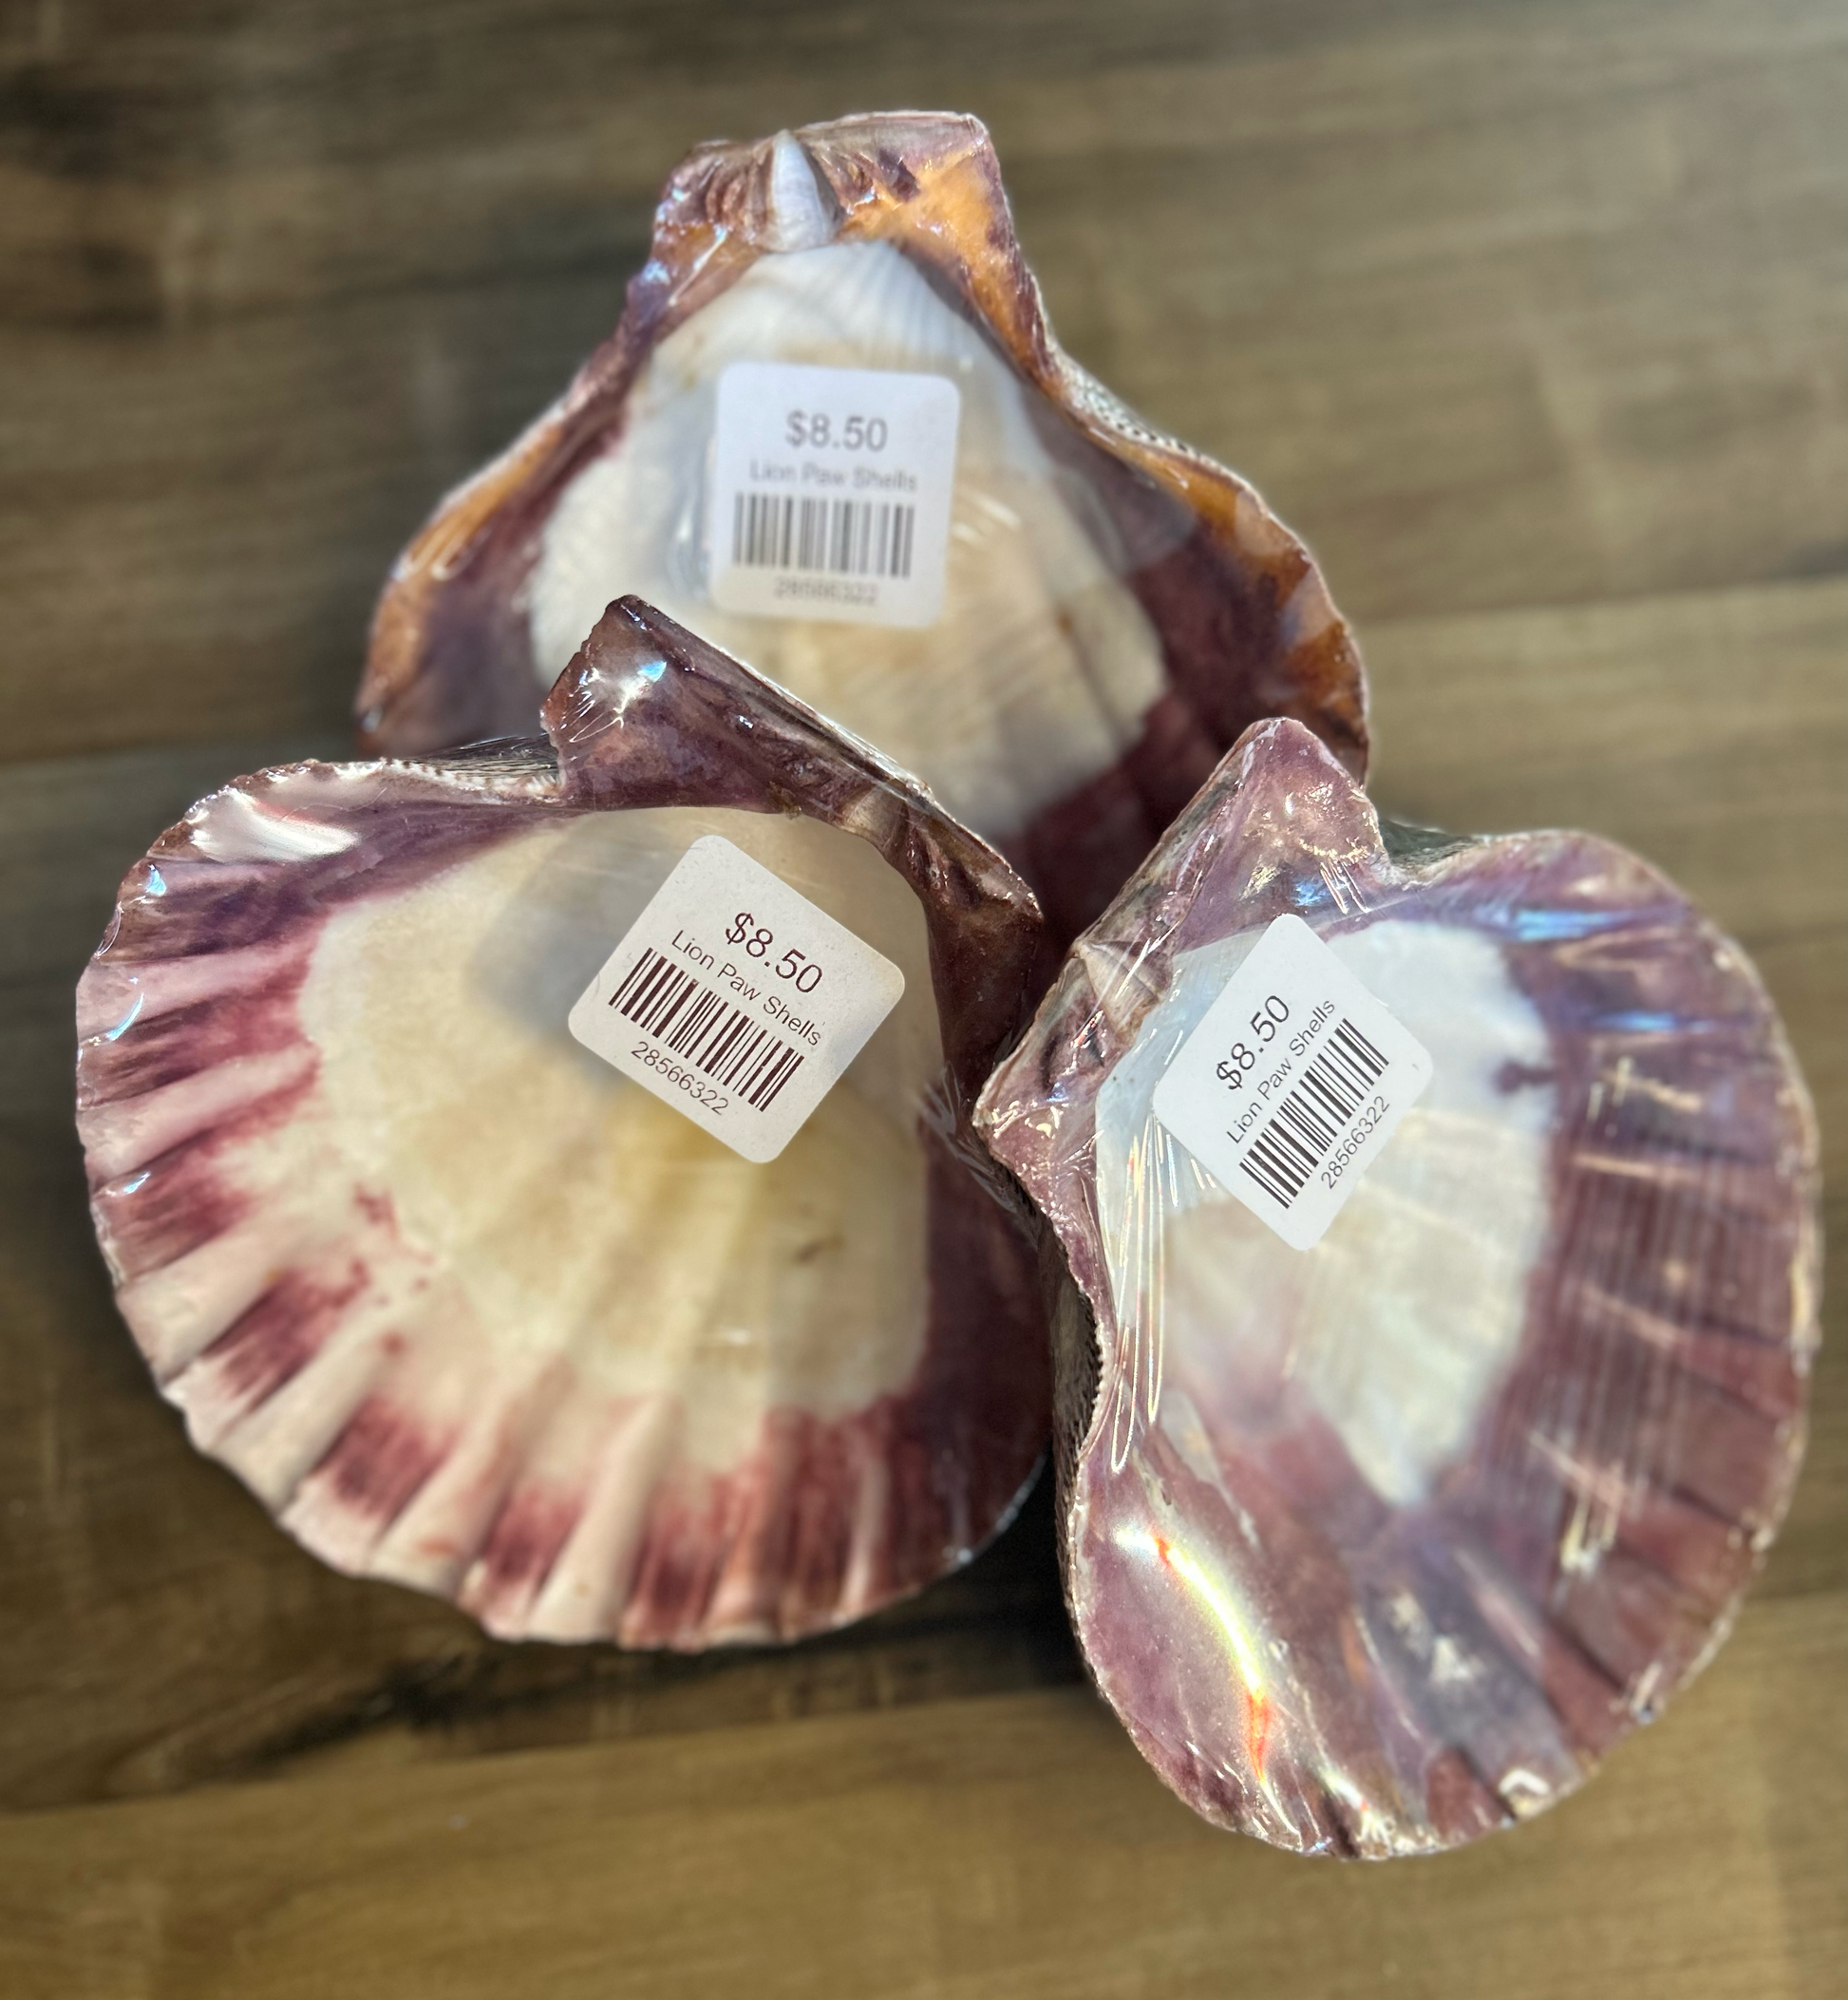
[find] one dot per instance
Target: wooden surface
(1531, 317)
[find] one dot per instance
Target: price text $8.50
(758, 941)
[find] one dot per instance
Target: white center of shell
(1401, 1322)
(576, 1214)
(1039, 672)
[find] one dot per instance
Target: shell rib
(1116, 609)
(1379, 1545)
(468, 1310)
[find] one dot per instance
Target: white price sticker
(1293, 1083)
(831, 493)
(735, 1000)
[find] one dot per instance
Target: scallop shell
(1116, 606)
(468, 1310)
(1380, 1545)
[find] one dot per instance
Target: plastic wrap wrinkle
(1116, 608)
(467, 1309)
(1381, 1545)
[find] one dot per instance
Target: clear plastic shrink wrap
(1115, 609)
(469, 1309)
(1378, 1544)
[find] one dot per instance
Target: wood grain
(1015, 1847)
(1535, 319)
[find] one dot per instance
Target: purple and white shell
(468, 1310)
(1378, 1546)
(1116, 609)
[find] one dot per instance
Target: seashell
(1116, 608)
(1381, 1544)
(468, 1310)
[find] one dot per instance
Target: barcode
(1298, 1136)
(776, 531)
(689, 1019)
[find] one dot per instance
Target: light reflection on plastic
(635, 684)
(1368, 1825)
(1258, 1710)
(1543, 926)
(155, 885)
(128, 1021)
(1523, 1791)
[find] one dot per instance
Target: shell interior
(1398, 1336)
(1041, 666)
(472, 1310)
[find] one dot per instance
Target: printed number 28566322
(1358, 1133)
(671, 1072)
